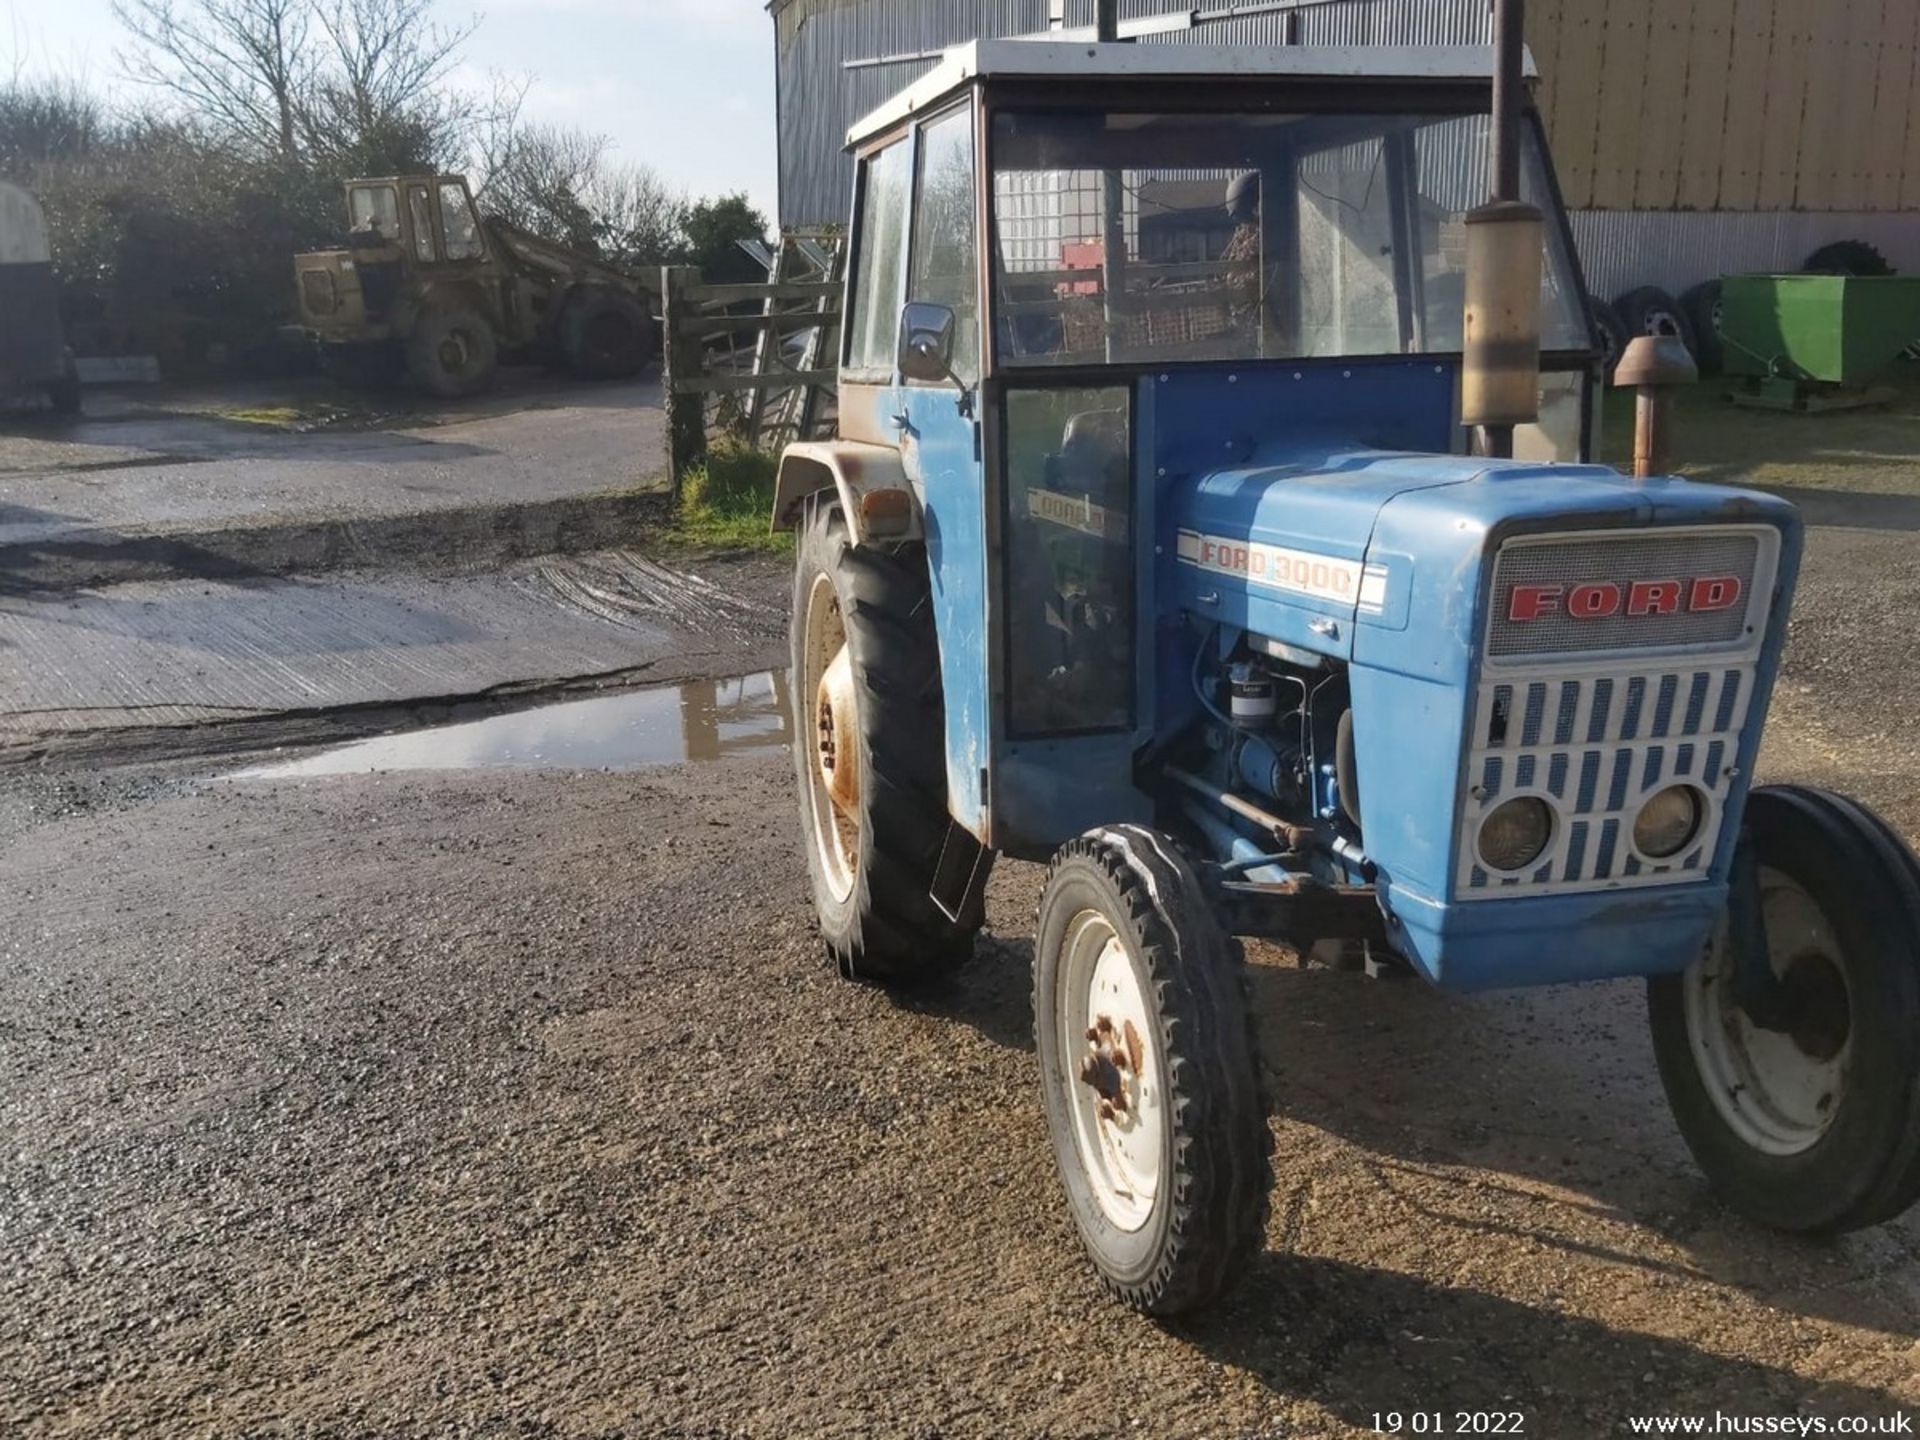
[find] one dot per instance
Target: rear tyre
(1817, 1129)
(606, 336)
(869, 753)
(64, 393)
(1611, 332)
(1704, 309)
(1150, 1071)
(1649, 310)
(1847, 257)
(452, 352)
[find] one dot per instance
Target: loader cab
(410, 222)
(1079, 271)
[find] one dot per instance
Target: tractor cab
(1082, 271)
(419, 225)
(1212, 518)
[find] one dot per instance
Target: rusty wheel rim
(1114, 1082)
(835, 827)
(1778, 1091)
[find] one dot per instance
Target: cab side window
(886, 187)
(946, 255)
(421, 214)
(463, 240)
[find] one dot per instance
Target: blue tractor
(1159, 545)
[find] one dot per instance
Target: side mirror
(926, 342)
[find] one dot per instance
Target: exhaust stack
(1500, 379)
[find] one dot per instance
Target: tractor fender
(875, 494)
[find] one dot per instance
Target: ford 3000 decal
(1301, 572)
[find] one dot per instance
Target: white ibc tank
(23, 229)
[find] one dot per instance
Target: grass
(1866, 452)
(727, 502)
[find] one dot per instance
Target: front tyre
(870, 754)
(452, 351)
(1813, 1127)
(1149, 1070)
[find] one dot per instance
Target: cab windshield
(1157, 237)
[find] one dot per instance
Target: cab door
(917, 222)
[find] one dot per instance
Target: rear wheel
(1847, 257)
(1813, 1124)
(452, 352)
(869, 753)
(1612, 333)
(64, 394)
(1707, 311)
(1149, 1071)
(1649, 310)
(607, 336)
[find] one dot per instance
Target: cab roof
(1053, 59)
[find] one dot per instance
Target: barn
(1693, 137)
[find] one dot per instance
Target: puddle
(702, 720)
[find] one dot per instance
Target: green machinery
(1810, 343)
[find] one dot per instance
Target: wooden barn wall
(1732, 105)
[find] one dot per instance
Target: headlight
(1668, 822)
(1513, 836)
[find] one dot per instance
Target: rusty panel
(1623, 74)
(1785, 87)
(1704, 138)
(1664, 103)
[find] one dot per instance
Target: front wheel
(452, 352)
(1809, 1122)
(1149, 1070)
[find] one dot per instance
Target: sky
(685, 86)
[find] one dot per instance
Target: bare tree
(644, 217)
(381, 83)
(242, 66)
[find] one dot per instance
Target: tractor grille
(1621, 559)
(1594, 713)
(1595, 747)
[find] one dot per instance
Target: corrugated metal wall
(820, 97)
(1666, 115)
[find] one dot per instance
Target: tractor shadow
(992, 994)
(1366, 1342)
(1551, 1099)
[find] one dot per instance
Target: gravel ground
(525, 1104)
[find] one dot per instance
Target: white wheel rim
(1118, 1131)
(836, 837)
(1775, 1092)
